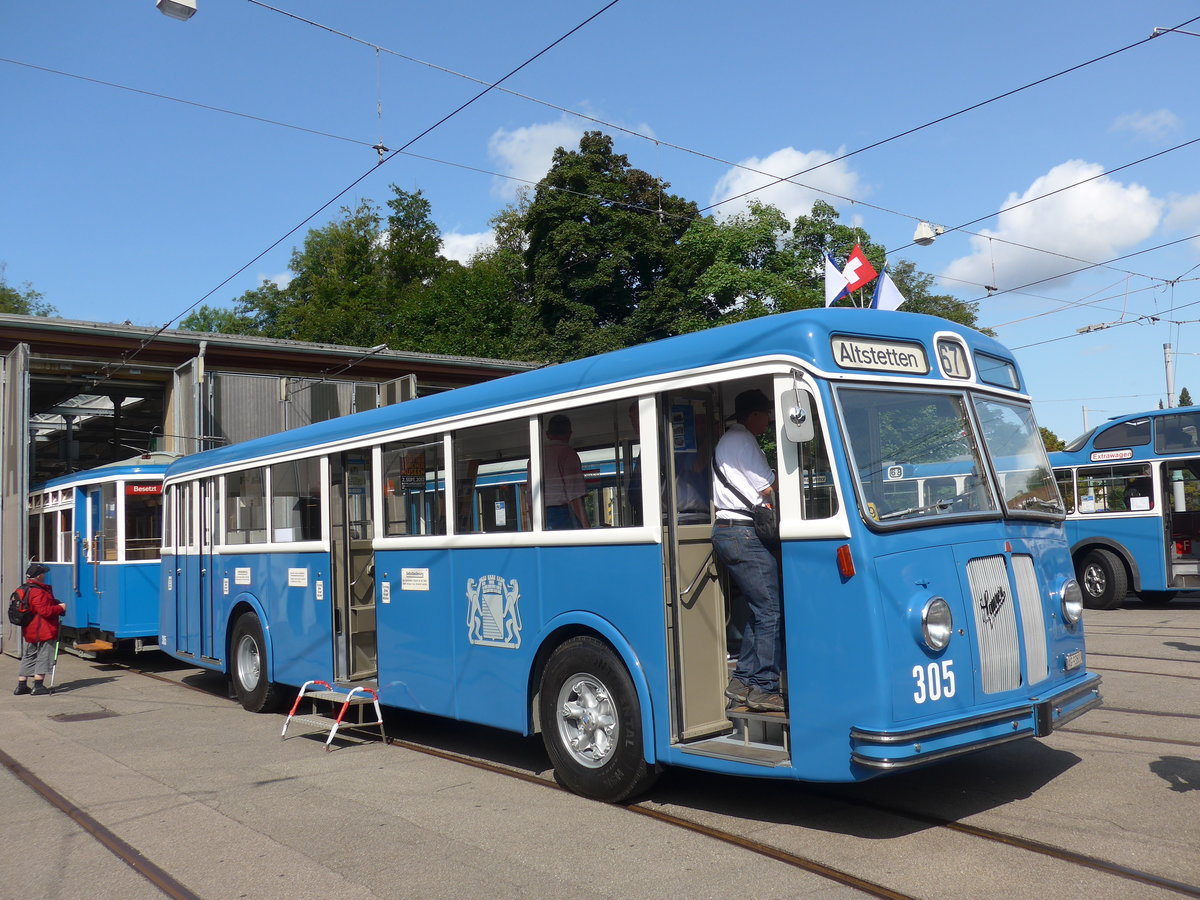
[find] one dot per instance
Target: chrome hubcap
(587, 720)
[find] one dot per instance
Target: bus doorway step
(90, 649)
(760, 738)
(329, 708)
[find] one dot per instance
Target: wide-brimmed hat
(36, 569)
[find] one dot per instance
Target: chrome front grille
(995, 624)
(1033, 619)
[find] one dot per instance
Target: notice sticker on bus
(414, 579)
(241, 575)
(297, 577)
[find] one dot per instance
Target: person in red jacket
(41, 633)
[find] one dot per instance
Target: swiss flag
(858, 271)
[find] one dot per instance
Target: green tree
(214, 319)
(23, 301)
(1051, 440)
(1185, 398)
(600, 238)
(353, 281)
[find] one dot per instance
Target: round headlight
(1072, 602)
(937, 623)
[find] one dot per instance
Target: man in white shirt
(752, 566)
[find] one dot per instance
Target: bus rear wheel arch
(1103, 579)
(591, 722)
(248, 666)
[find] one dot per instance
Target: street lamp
(926, 233)
(177, 9)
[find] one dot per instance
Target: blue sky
(120, 205)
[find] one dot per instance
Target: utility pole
(1170, 375)
(1085, 424)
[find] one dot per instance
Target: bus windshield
(1019, 455)
(915, 455)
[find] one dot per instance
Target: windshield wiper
(1031, 502)
(940, 505)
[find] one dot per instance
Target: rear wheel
(1157, 598)
(1102, 577)
(248, 666)
(592, 722)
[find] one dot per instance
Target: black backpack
(19, 611)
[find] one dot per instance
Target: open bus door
(695, 605)
(352, 567)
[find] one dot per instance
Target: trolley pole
(1170, 375)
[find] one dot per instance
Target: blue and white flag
(887, 295)
(836, 285)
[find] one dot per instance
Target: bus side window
(491, 472)
(604, 437)
(245, 507)
(296, 500)
(1115, 489)
(1066, 487)
(414, 478)
(818, 491)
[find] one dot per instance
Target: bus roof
(1141, 435)
(147, 464)
(804, 335)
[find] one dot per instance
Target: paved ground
(210, 794)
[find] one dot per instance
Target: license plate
(1074, 660)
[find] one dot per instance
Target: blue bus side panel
(126, 605)
(1141, 536)
(466, 647)
(832, 680)
(415, 632)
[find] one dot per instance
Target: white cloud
(463, 247)
(791, 199)
(1095, 221)
(1183, 212)
(1153, 126)
(525, 153)
(282, 280)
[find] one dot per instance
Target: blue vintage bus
(406, 549)
(1132, 489)
(100, 533)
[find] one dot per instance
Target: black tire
(1103, 580)
(248, 666)
(1157, 598)
(592, 722)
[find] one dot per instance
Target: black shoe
(760, 701)
(40, 689)
(737, 691)
(22, 688)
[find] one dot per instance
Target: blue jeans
(754, 570)
(559, 518)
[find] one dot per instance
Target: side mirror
(797, 416)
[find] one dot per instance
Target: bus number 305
(934, 681)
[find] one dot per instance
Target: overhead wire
(658, 141)
(107, 371)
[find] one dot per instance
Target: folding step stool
(327, 718)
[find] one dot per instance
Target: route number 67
(934, 681)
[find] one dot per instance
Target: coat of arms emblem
(493, 618)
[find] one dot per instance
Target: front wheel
(1102, 577)
(592, 723)
(248, 666)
